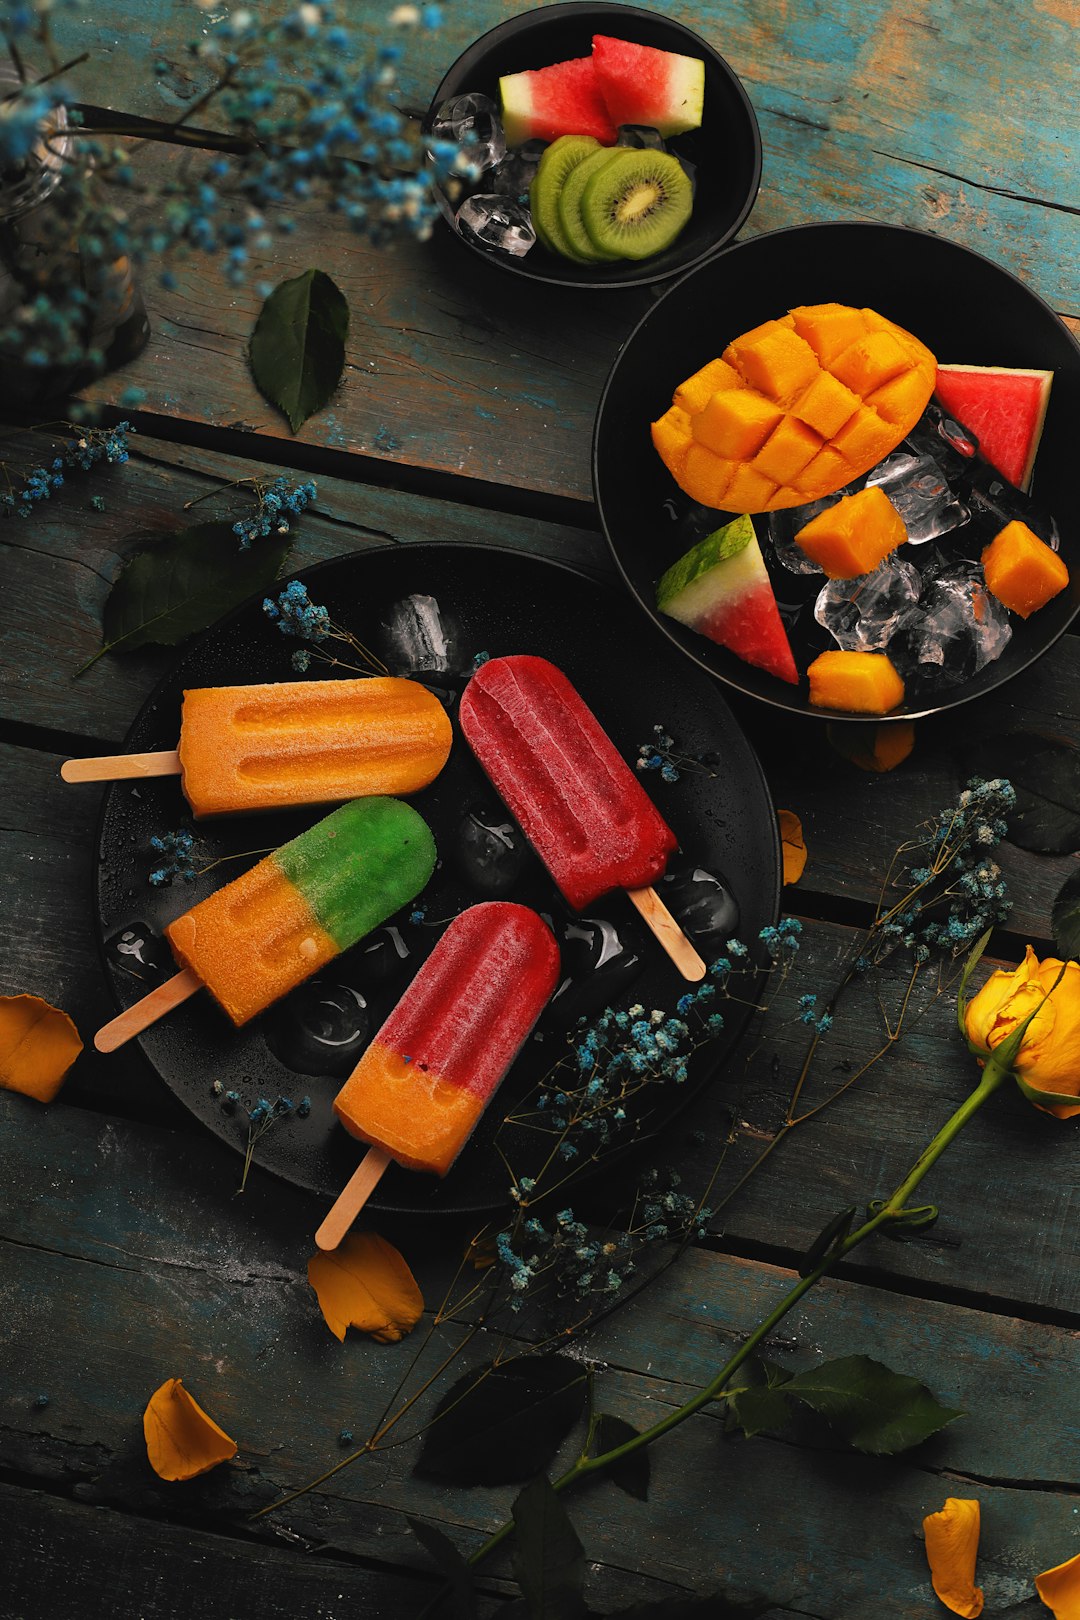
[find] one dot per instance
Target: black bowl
(966, 308)
(725, 151)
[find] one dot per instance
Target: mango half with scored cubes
(795, 409)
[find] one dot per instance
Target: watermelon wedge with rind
(643, 85)
(1004, 407)
(721, 589)
(563, 99)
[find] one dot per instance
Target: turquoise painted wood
(954, 119)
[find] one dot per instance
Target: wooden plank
(60, 563)
(64, 1561)
(130, 1264)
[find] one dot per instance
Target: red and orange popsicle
(435, 1064)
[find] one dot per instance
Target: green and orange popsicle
(270, 929)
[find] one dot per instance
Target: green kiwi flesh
(556, 162)
(636, 204)
(569, 205)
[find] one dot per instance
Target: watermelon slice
(642, 85)
(547, 102)
(721, 588)
(1005, 410)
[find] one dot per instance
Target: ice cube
(643, 136)
(513, 176)
(918, 488)
(417, 635)
(473, 121)
(863, 614)
(499, 222)
(957, 630)
(782, 527)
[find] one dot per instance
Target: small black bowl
(725, 151)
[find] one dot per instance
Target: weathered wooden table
(466, 415)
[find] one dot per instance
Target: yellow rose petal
(873, 747)
(792, 845)
(1059, 1589)
(38, 1045)
(366, 1284)
(952, 1541)
(181, 1439)
(1049, 1058)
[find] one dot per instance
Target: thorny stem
(993, 1076)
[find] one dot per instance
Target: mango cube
(826, 405)
(829, 328)
(865, 365)
(774, 359)
(1021, 570)
(671, 436)
(695, 393)
(855, 535)
(735, 424)
(855, 682)
(787, 450)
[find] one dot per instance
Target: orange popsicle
(245, 748)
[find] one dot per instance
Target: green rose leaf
(1065, 917)
(755, 1400)
(631, 1474)
(549, 1560)
(504, 1425)
(1046, 776)
(183, 583)
(297, 349)
(451, 1566)
(873, 1408)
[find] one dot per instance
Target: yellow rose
(1047, 1065)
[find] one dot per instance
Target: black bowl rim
(559, 277)
(831, 716)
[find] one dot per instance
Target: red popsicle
(435, 1064)
(578, 802)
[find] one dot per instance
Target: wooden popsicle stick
(147, 1011)
(658, 918)
(119, 767)
(352, 1198)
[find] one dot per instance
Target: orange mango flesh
(1021, 570)
(795, 409)
(855, 682)
(309, 742)
(855, 535)
(418, 1116)
(249, 941)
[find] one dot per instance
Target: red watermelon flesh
(643, 85)
(721, 589)
(1004, 408)
(547, 102)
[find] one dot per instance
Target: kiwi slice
(570, 215)
(556, 162)
(636, 205)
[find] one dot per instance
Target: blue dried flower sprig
(295, 614)
(92, 447)
(661, 755)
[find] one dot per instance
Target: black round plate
(966, 309)
(725, 151)
(490, 601)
